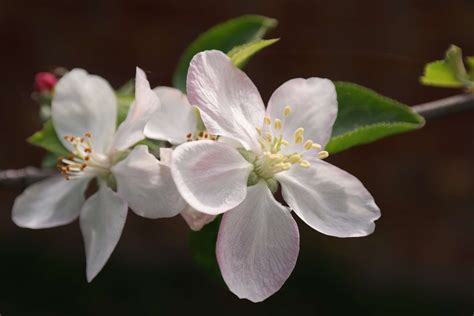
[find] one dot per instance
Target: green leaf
(439, 74)
(241, 54)
(365, 116)
(224, 37)
(470, 64)
(203, 247)
(48, 139)
(123, 102)
(448, 73)
(127, 89)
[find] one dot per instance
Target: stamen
(305, 164)
(295, 158)
(323, 154)
(316, 146)
(267, 120)
(81, 161)
(308, 144)
(268, 137)
(287, 111)
(277, 124)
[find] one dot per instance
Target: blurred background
(419, 261)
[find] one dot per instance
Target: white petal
(84, 103)
(313, 105)
(165, 155)
(257, 245)
(49, 203)
(146, 184)
(329, 200)
(230, 103)
(195, 219)
(174, 118)
(146, 103)
(102, 220)
(211, 177)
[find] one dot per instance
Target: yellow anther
(275, 156)
(299, 132)
(287, 111)
(268, 136)
(305, 164)
(284, 142)
(299, 139)
(323, 154)
(259, 130)
(283, 165)
(267, 120)
(295, 158)
(308, 144)
(316, 146)
(277, 123)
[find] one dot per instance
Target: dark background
(420, 259)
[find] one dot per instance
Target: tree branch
(444, 107)
(21, 178)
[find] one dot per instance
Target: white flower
(258, 239)
(177, 122)
(84, 113)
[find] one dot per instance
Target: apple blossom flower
(84, 115)
(258, 240)
(177, 122)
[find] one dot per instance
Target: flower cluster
(225, 153)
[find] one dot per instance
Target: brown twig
(21, 178)
(445, 107)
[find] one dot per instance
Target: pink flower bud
(45, 82)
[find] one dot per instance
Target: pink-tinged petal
(257, 245)
(329, 199)
(102, 220)
(50, 203)
(230, 103)
(313, 104)
(146, 184)
(84, 103)
(146, 103)
(195, 219)
(174, 119)
(211, 177)
(165, 155)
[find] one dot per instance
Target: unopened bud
(45, 82)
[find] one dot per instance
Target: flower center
(82, 161)
(272, 161)
(200, 135)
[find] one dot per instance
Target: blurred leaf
(203, 247)
(241, 54)
(50, 160)
(448, 73)
(439, 74)
(153, 145)
(365, 116)
(47, 139)
(123, 102)
(224, 37)
(127, 90)
(470, 64)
